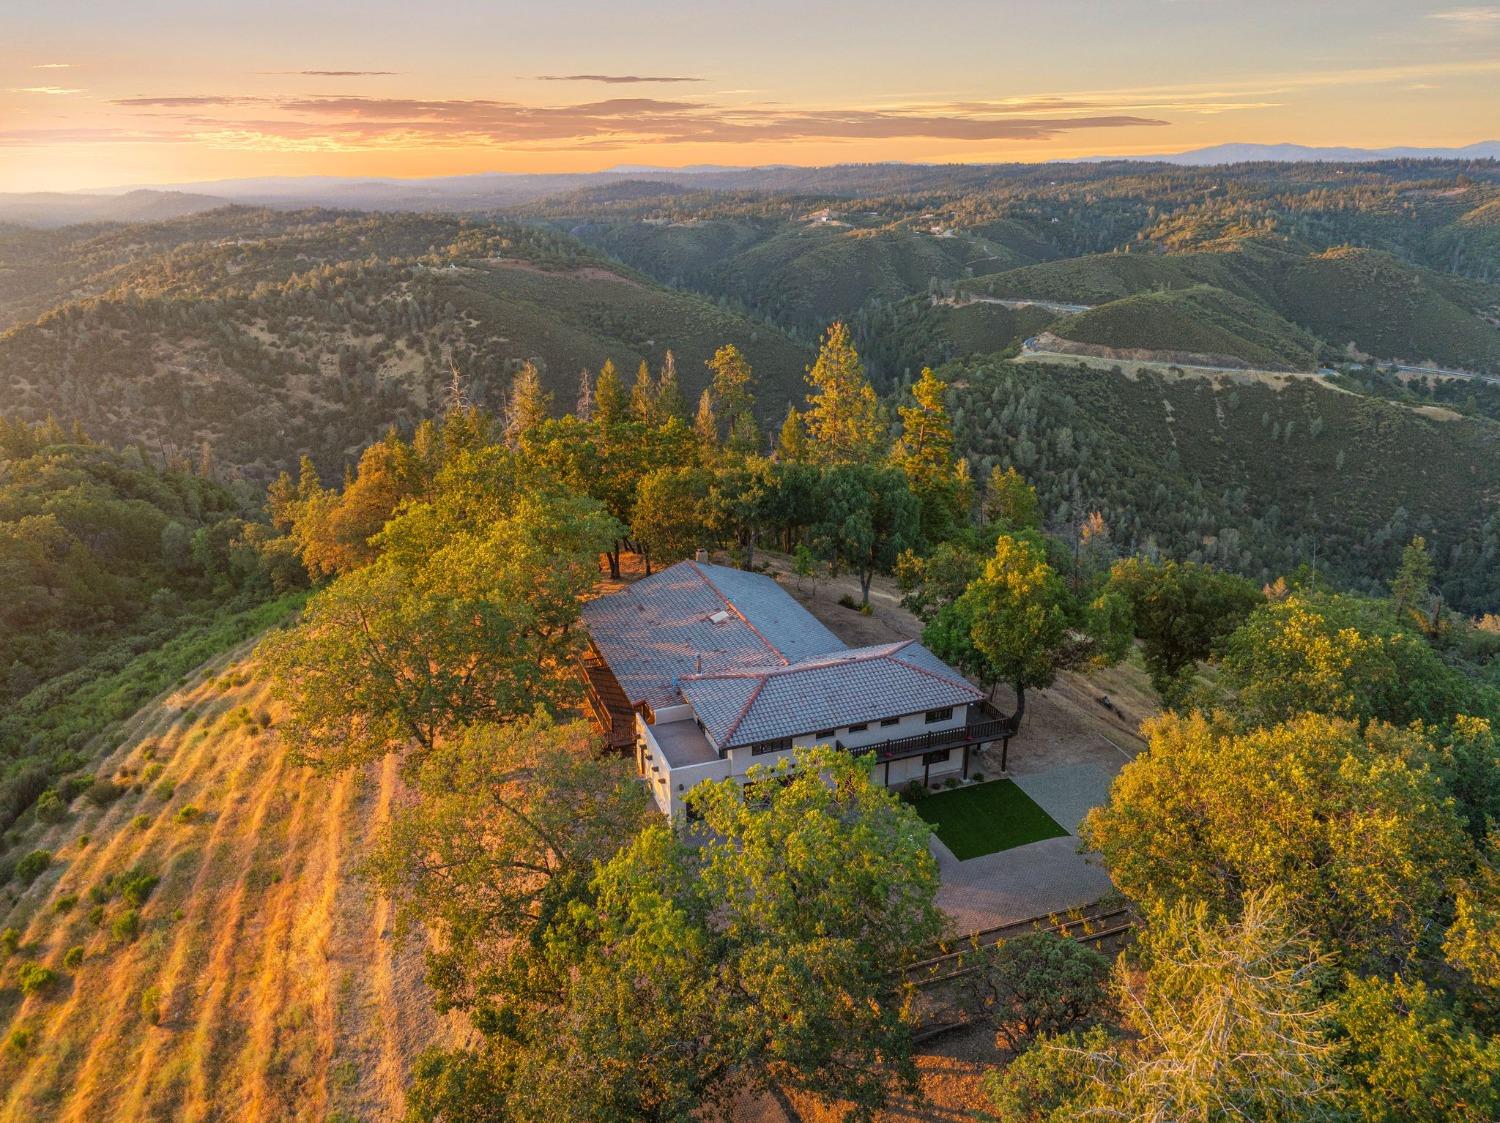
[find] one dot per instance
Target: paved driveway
(1066, 780)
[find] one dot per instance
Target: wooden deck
(606, 702)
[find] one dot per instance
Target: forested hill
(1253, 474)
(262, 335)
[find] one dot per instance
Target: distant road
(1029, 348)
(1444, 373)
(1046, 305)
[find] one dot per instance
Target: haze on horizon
(163, 91)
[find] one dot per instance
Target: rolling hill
(229, 962)
(313, 332)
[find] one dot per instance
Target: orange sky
(160, 91)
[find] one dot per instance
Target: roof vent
(719, 617)
(700, 555)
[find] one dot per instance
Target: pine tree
(705, 423)
(530, 404)
(669, 400)
(844, 419)
(584, 409)
(1414, 579)
(643, 396)
(609, 396)
(791, 444)
(731, 386)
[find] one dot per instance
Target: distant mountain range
(500, 190)
(1301, 153)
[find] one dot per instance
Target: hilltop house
(704, 670)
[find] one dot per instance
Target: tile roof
(743, 705)
(669, 625)
(753, 663)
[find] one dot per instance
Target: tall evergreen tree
(529, 405)
(736, 402)
(584, 409)
(925, 453)
(845, 424)
(643, 396)
(669, 400)
(705, 423)
(791, 443)
(609, 396)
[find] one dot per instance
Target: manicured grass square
(986, 818)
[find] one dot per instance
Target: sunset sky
(165, 91)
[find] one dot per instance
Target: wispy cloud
(356, 122)
(335, 73)
(52, 90)
(615, 79)
(52, 66)
(1484, 17)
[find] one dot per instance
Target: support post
(966, 762)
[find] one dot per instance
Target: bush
(20, 1039)
(10, 940)
(96, 916)
(151, 1004)
(1040, 983)
(73, 957)
(127, 926)
(166, 789)
(151, 772)
(33, 978)
(50, 807)
(913, 791)
(977, 777)
(136, 885)
(102, 792)
(846, 601)
(29, 868)
(65, 903)
(141, 822)
(187, 813)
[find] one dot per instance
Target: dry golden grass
(263, 983)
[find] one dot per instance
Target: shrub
(951, 782)
(166, 789)
(65, 903)
(29, 868)
(74, 786)
(151, 772)
(96, 916)
(1041, 983)
(102, 792)
(977, 777)
(20, 1039)
(187, 813)
(83, 840)
(846, 601)
(127, 926)
(73, 957)
(913, 791)
(50, 807)
(141, 822)
(33, 978)
(10, 940)
(136, 885)
(151, 1004)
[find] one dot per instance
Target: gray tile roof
(660, 628)
(765, 667)
(751, 704)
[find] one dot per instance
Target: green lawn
(985, 818)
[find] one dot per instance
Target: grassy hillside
(1201, 320)
(1384, 307)
(254, 979)
(1393, 311)
(1257, 475)
(315, 332)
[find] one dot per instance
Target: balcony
(992, 726)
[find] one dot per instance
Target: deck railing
(972, 733)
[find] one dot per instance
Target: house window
(779, 744)
(944, 714)
(936, 758)
(886, 721)
(859, 727)
(823, 734)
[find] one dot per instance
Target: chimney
(700, 556)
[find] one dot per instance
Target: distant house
(702, 671)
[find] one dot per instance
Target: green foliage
(10, 940)
(1039, 983)
(34, 978)
(126, 926)
(1181, 613)
(73, 957)
(1351, 829)
(844, 418)
(30, 867)
(1407, 1057)
(151, 1004)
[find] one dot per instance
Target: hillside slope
(1255, 474)
(316, 332)
(262, 982)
